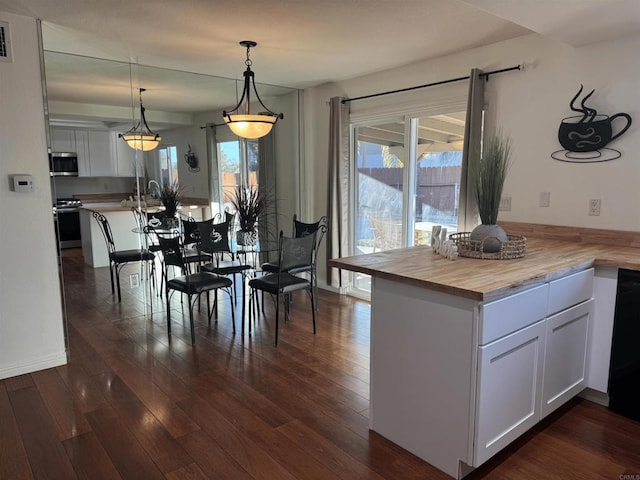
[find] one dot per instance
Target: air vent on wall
(5, 42)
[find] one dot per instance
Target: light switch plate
(545, 199)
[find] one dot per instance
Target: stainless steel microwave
(63, 164)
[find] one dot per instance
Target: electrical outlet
(134, 280)
(594, 207)
(505, 204)
(545, 199)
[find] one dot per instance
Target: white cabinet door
(63, 140)
(125, 157)
(508, 395)
(101, 154)
(82, 149)
(565, 356)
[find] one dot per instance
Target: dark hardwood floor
(133, 404)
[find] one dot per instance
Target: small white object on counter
(441, 245)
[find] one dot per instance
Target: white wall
(529, 106)
(31, 328)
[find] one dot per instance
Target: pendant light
(243, 123)
(141, 137)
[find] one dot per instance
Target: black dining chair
(302, 229)
(214, 241)
(191, 238)
(191, 284)
(294, 254)
(119, 258)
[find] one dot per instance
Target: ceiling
(301, 43)
(308, 42)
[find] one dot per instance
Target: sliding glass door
(407, 179)
(238, 163)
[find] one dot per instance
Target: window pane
(252, 162)
(229, 158)
(379, 177)
(437, 182)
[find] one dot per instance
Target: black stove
(67, 203)
(66, 212)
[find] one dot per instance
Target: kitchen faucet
(154, 193)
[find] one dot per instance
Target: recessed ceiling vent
(5, 42)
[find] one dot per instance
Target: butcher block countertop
(485, 280)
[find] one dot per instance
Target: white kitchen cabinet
(63, 139)
(82, 149)
(101, 155)
(98, 154)
(125, 157)
(484, 373)
(565, 362)
(509, 382)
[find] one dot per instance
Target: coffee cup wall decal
(585, 137)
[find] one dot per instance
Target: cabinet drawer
(510, 314)
(570, 290)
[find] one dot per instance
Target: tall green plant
(250, 203)
(489, 175)
(171, 196)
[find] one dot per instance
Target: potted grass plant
(249, 203)
(488, 176)
(170, 196)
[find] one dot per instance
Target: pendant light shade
(141, 137)
(242, 122)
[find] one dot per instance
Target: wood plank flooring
(133, 404)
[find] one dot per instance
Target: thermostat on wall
(23, 183)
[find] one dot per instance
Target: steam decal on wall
(585, 137)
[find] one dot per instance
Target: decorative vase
(491, 236)
(169, 223)
(248, 239)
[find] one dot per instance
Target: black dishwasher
(624, 372)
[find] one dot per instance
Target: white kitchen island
(467, 355)
(94, 247)
(122, 222)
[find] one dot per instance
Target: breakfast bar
(466, 355)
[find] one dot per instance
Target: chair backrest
(106, 231)
(296, 252)
(155, 220)
(214, 237)
(319, 228)
(172, 252)
(190, 232)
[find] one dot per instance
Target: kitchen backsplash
(66, 187)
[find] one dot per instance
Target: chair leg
(277, 315)
(193, 333)
(233, 314)
(111, 265)
(166, 294)
(313, 310)
(118, 282)
(250, 311)
(209, 311)
(243, 300)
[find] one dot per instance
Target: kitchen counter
(484, 280)
(110, 207)
(484, 349)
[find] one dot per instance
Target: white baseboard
(601, 398)
(49, 361)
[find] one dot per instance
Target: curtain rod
(442, 82)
